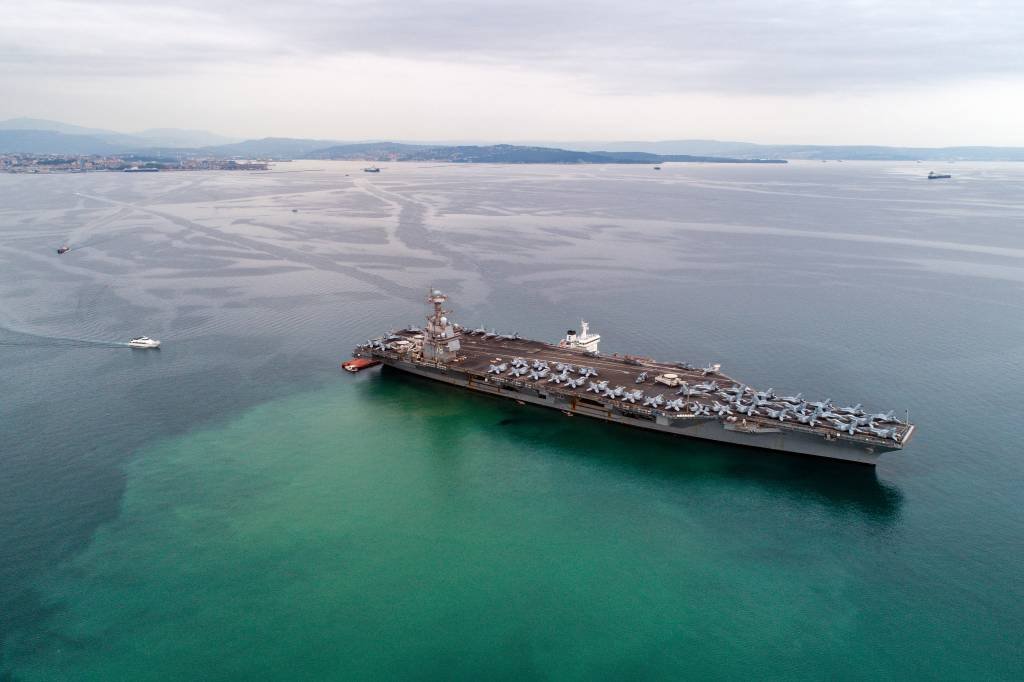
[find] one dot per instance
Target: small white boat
(144, 342)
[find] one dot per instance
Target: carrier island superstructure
(675, 398)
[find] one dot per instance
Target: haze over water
(235, 507)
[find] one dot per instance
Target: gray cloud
(787, 46)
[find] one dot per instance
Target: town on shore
(82, 163)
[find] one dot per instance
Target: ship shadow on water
(838, 487)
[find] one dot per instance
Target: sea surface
(234, 507)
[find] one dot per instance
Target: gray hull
(694, 427)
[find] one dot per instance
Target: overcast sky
(906, 72)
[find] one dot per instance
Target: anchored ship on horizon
(574, 377)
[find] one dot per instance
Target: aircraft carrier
(675, 398)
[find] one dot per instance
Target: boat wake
(16, 338)
(89, 243)
(86, 236)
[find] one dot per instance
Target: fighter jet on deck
(655, 401)
(720, 409)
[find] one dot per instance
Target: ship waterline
(676, 399)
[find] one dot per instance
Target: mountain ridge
(502, 153)
(153, 137)
(42, 136)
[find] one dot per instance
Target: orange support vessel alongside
(357, 364)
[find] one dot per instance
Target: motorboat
(144, 342)
(371, 169)
(63, 249)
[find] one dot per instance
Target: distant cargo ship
(932, 175)
(573, 377)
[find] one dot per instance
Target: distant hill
(155, 137)
(49, 142)
(271, 148)
(54, 126)
(42, 136)
(750, 150)
(181, 137)
(104, 138)
(499, 153)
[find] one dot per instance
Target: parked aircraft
(892, 433)
(749, 409)
(614, 392)
(720, 409)
(735, 389)
(686, 391)
(844, 427)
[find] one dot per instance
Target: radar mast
(441, 341)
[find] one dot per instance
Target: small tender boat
(63, 249)
(357, 364)
(144, 342)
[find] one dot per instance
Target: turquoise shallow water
(311, 537)
(234, 507)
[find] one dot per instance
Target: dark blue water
(234, 507)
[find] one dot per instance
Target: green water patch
(390, 528)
